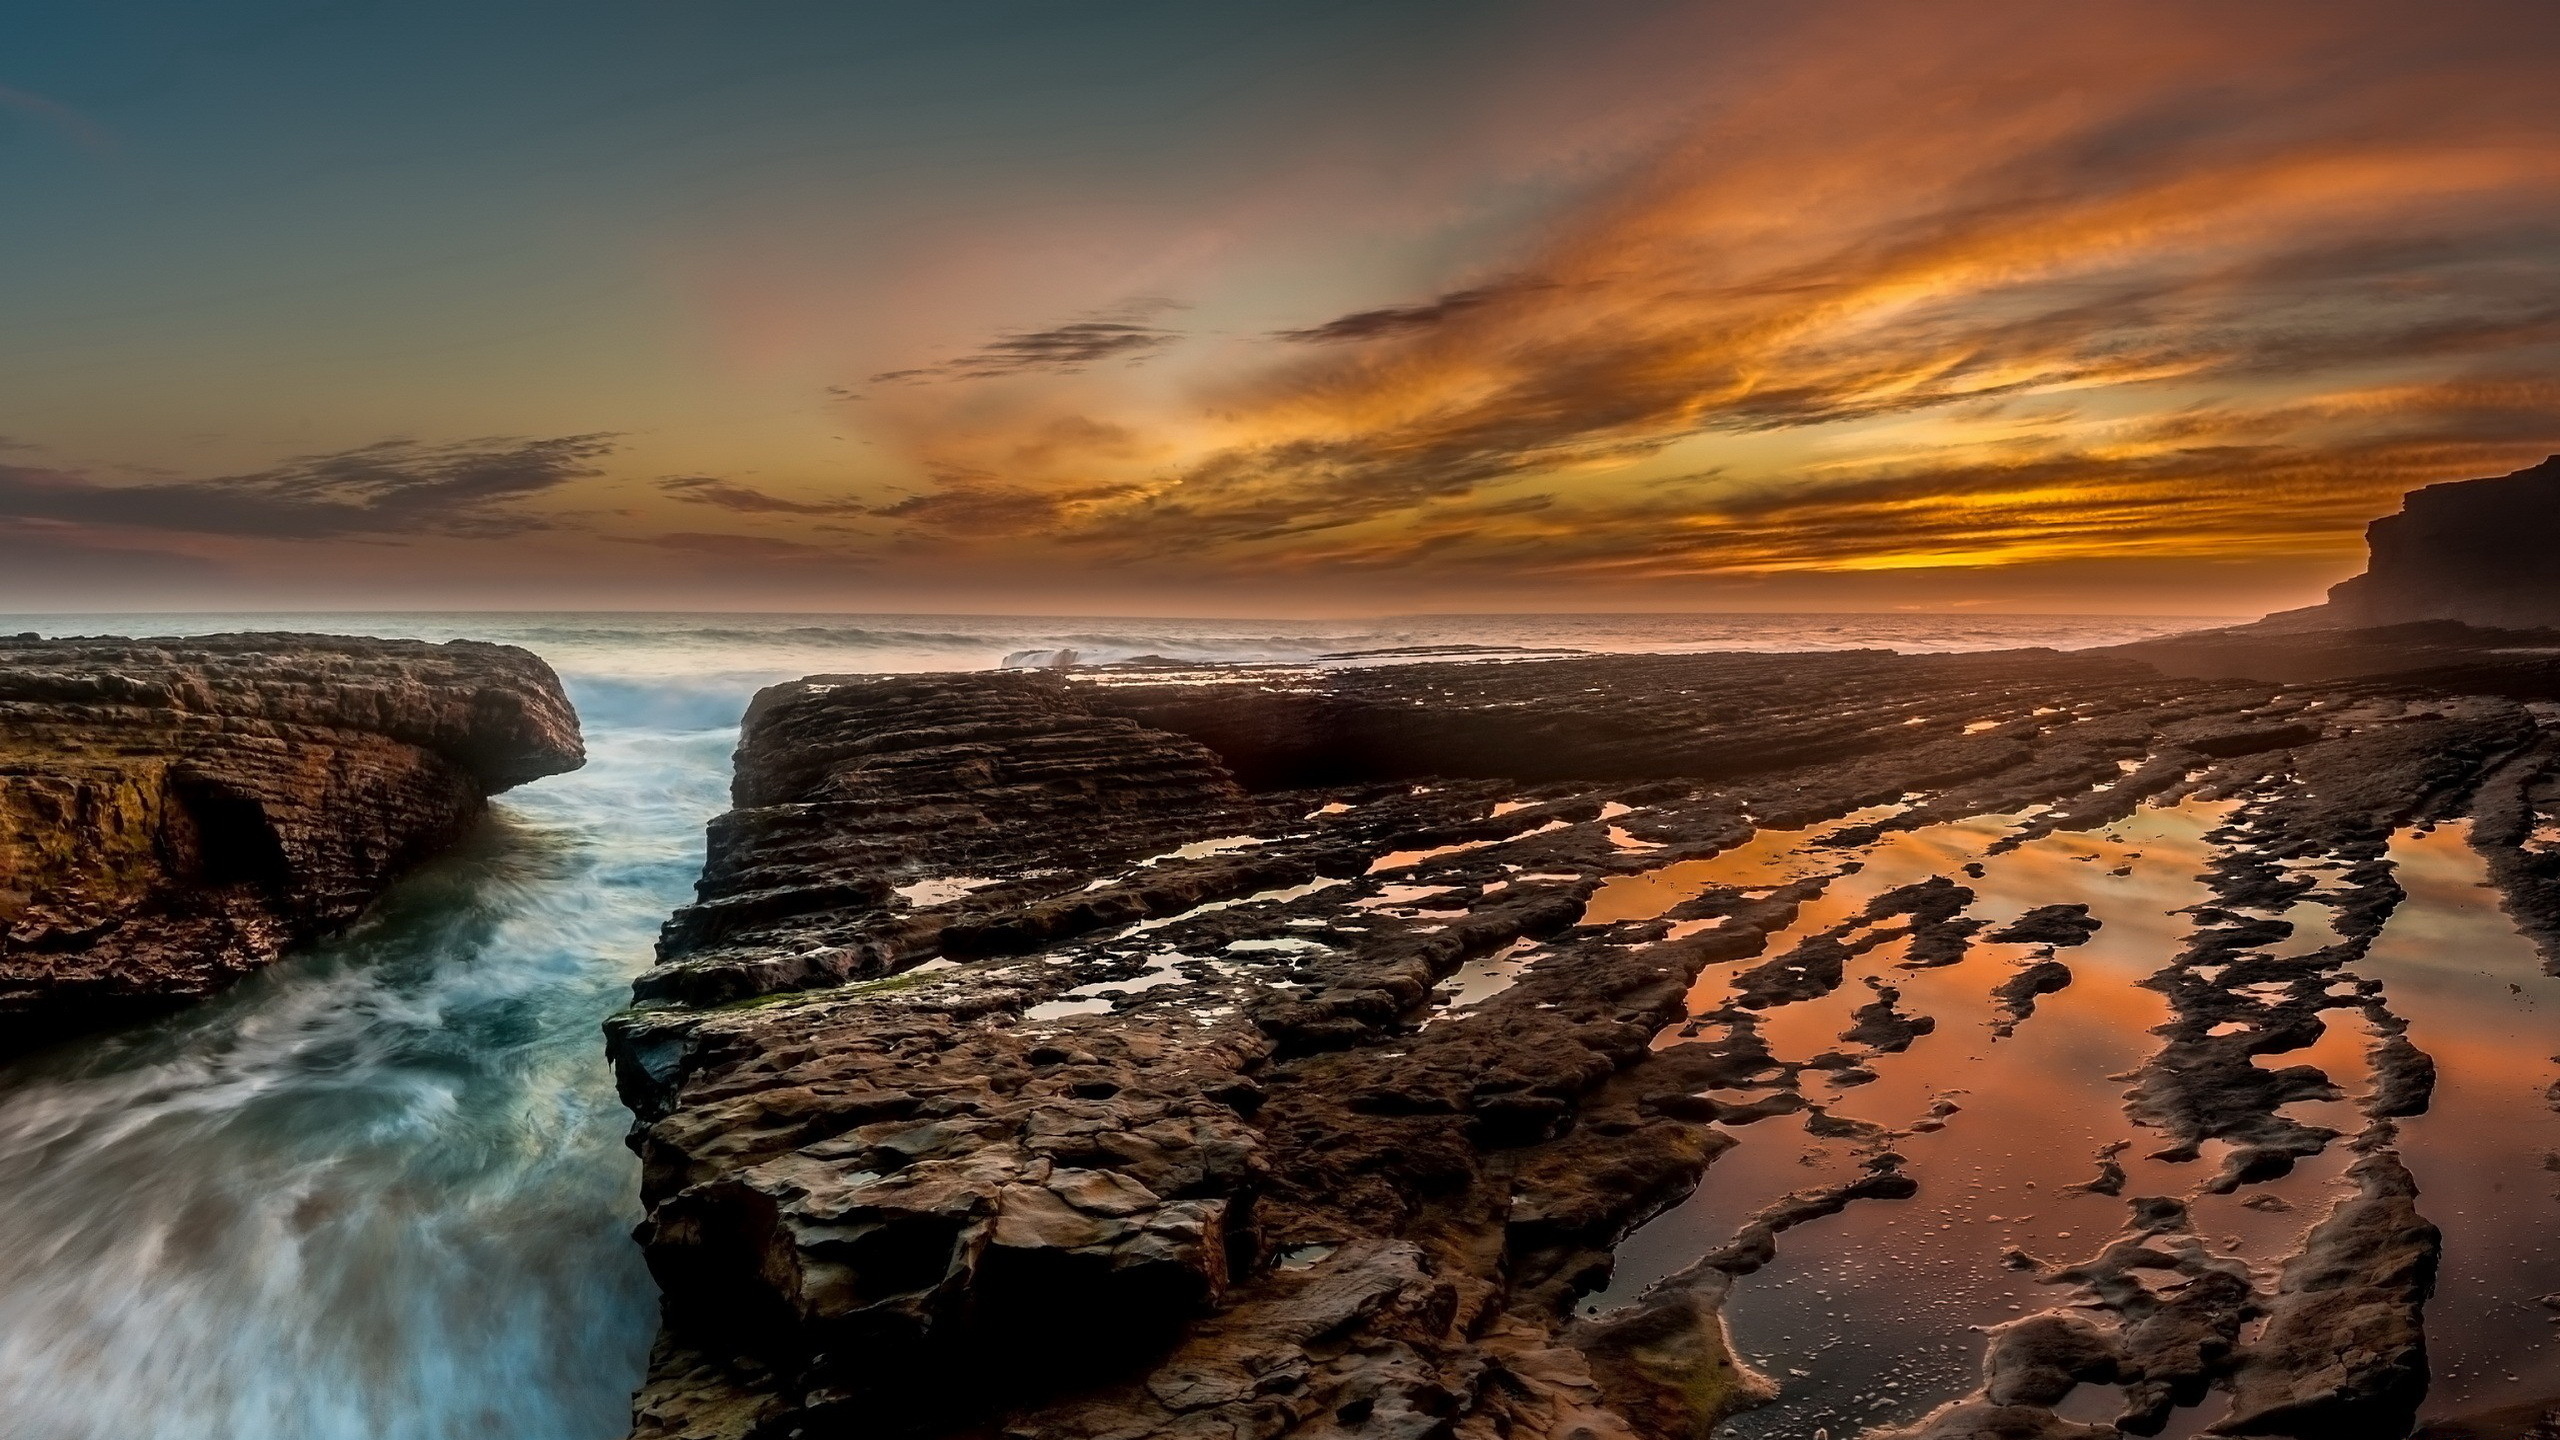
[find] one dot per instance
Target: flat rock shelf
(2019, 1044)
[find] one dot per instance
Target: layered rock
(1105, 1056)
(175, 813)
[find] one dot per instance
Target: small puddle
(926, 894)
(1768, 859)
(1483, 978)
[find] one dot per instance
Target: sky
(1119, 306)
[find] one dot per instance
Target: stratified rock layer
(1107, 1057)
(174, 813)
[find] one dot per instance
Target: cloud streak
(1394, 320)
(1126, 333)
(393, 488)
(747, 500)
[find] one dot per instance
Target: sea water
(379, 1191)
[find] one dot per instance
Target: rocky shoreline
(1269, 1052)
(176, 813)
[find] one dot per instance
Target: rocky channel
(176, 813)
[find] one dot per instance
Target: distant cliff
(2459, 595)
(2484, 552)
(174, 813)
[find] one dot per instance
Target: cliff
(175, 813)
(2461, 596)
(1287, 1056)
(2484, 552)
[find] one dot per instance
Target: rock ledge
(175, 813)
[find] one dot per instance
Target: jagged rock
(174, 813)
(2017, 994)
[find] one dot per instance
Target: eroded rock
(175, 813)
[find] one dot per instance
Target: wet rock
(2344, 1350)
(2404, 1076)
(2029, 1366)
(2059, 924)
(2017, 994)
(1883, 1029)
(1812, 969)
(175, 813)
(2111, 1177)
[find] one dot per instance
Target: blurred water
(379, 1192)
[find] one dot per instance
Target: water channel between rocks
(377, 1191)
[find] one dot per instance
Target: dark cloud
(977, 505)
(393, 488)
(1405, 319)
(758, 548)
(747, 500)
(1124, 332)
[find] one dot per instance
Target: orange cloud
(2022, 285)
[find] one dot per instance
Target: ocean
(379, 1191)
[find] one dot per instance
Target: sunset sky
(1206, 308)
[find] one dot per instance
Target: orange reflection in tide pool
(1868, 1317)
(2476, 999)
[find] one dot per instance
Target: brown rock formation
(1033, 1065)
(2345, 1350)
(174, 813)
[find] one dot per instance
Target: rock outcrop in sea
(175, 813)
(1274, 1052)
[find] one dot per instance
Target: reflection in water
(1769, 858)
(1871, 1317)
(377, 1192)
(2476, 999)
(1865, 1318)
